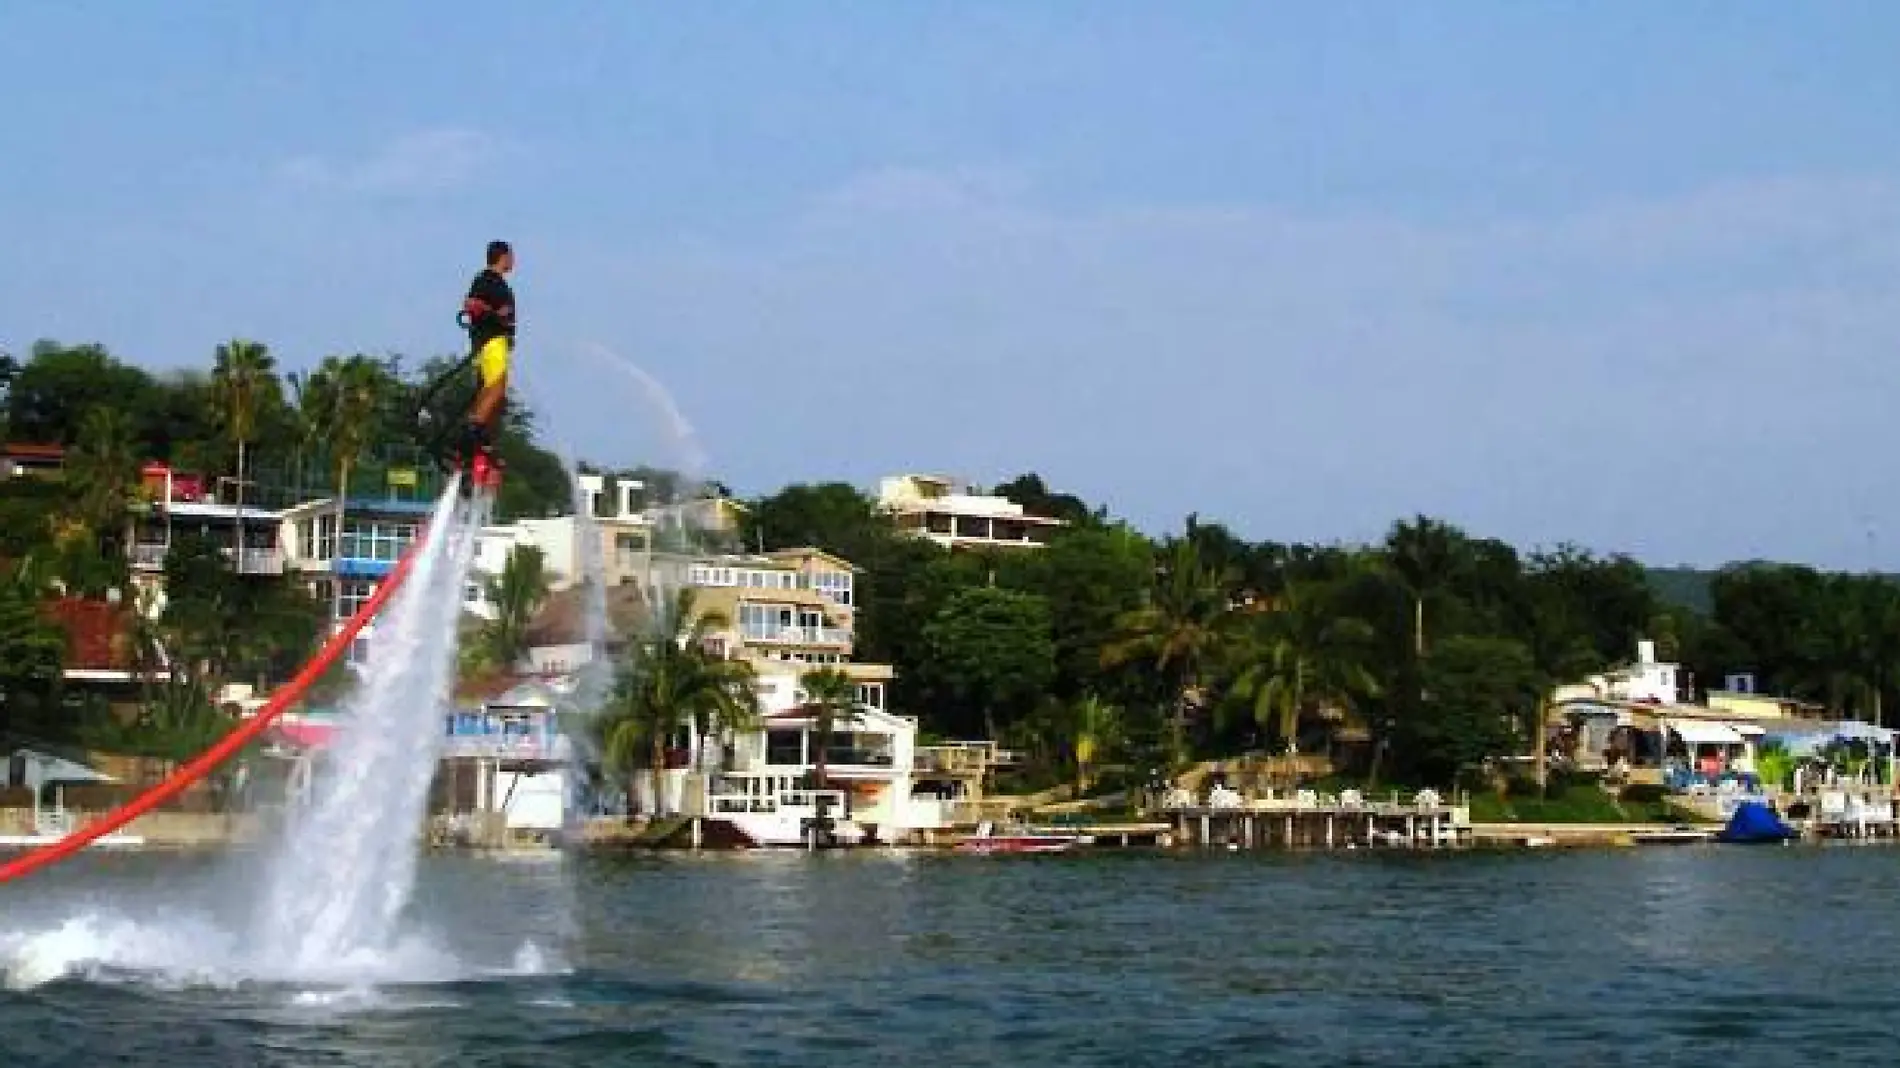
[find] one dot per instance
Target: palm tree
(1096, 728)
(244, 376)
(517, 594)
(670, 682)
(1427, 555)
(146, 637)
(103, 471)
(341, 403)
(831, 699)
(1188, 619)
(1304, 655)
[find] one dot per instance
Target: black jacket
(490, 307)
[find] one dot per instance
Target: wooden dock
(1281, 824)
(1122, 835)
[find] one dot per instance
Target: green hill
(1683, 587)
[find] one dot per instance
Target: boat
(1677, 835)
(1754, 823)
(988, 839)
(10, 842)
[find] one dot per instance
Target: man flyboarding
(489, 314)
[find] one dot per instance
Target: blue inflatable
(1755, 823)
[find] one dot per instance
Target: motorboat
(988, 839)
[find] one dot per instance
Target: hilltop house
(952, 514)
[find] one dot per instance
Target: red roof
(485, 687)
(305, 735)
(23, 451)
(97, 633)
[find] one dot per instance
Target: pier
(1309, 820)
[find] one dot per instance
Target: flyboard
(441, 436)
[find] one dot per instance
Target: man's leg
(484, 418)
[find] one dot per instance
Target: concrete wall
(184, 830)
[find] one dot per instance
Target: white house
(762, 781)
(509, 757)
(950, 513)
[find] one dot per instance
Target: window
(871, 693)
(784, 748)
(355, 593)
(326, 537)
(835, 586)
(375, 539)
(764, 620)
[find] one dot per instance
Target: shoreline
(181, 832)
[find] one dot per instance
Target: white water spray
(680, 434)
(595, 677)
(346, 867)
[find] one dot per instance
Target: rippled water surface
(1699, 955)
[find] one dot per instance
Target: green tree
(904, 583)
(1037, 498)
(275, 625)
(832, 516)
(1092, 578)
(50, 395)
(183, 427)
(1181, 631)
(342, 403)
(666, 683)
(32, 656)
(1480, 697)
(30, 516)
(245, 379)
(199, 624)
(993, 654)
(1095, 730)
(1303, 654)
(517, 594)
(1430, 557)
(102, 476)
(830, 698)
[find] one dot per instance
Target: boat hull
(1022, 843)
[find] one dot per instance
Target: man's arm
(487, 297)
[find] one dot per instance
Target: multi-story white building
(952, 514)
(176, 505)
(346, 557)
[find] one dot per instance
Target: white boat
(34, 841)
(988, 839)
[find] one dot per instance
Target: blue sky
(1617, 273)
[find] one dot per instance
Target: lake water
(1692, 955)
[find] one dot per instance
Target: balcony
(836, 757)
(482, 736)
(147, 557)
(839, 756)
(960, 758)
(257, 561)
(797, 635)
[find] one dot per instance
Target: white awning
(1749, 729)
(1699, 732)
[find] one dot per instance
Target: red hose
(245, 732)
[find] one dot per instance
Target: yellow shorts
(491, 362)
